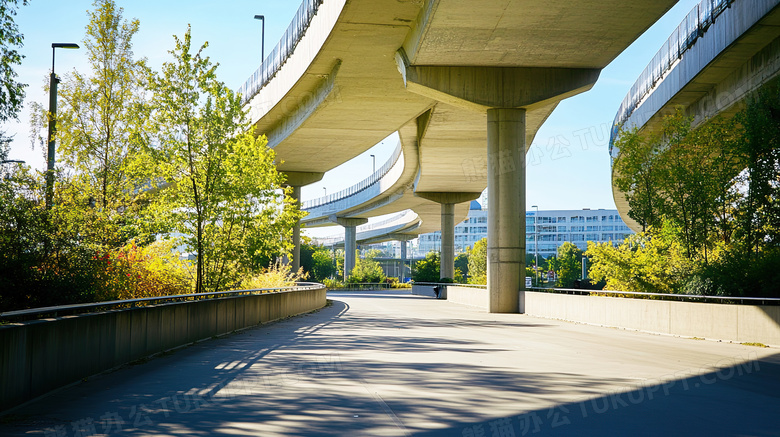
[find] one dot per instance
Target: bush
(332, 283)
(366, 270)
(134, 272)
(427, 270)
(275, 275)
(736, 273)
(478, 263)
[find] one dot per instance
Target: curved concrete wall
(726, 322)
(40, 356)
(737, 323)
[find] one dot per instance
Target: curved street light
(53, 121)
(262, 38)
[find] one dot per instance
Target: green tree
(654, 261)
(316, 260)
(427, 270)
(635, 174)
(100, 111)
(478, 263)
(367, 269)
(11, 91)
(322, 264)
(462, 267)
(221, 187)
(569, 262)
(759, 212)
(42, 262)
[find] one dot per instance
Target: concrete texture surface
(341, 91)
(390, 363)
(737, 54)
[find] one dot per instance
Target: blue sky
(568, 164)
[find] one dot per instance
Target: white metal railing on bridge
(698, 20)
(379, 224)
(360, 186)
(282, 52)
(334, 239)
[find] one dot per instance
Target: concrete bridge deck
(389, 363)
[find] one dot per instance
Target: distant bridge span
(468, 89)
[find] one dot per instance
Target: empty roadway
(389, 363)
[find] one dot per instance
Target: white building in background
(549, 228)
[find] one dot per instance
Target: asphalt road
(392, 364)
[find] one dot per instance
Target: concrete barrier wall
(40, 356)
(476, 297)
(426, 290)
(738, 323)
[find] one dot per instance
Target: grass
(754, 344)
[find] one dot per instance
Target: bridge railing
(64, 310)
(663, 296)
(635, 295)
(360, 186)
(48, 353)
(333, 239)
(698, 20)
(380, 224)
(282, 52)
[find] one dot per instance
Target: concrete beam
(302, 178)
(446, 197)
(482, 88)
(348, 221)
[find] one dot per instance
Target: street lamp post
(262, 37)
(536, 245)
(53, 121)
(326, 191)
(373, 164)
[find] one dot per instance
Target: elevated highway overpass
(718, 55)
(438, 72)
(384, 192)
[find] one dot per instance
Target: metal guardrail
(379, 224)
(451, 284)
(664, 296)
(360, 186)
(695, 24)
(282, 52)
(363, 286)
(62, 310)
(333, 239)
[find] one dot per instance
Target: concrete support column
(350, 240)
(447, 269)
(296, 234)
(296, 180)
(350, 246)
(506, 216)
(403, 260)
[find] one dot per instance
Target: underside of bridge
(737, 55)
(468, 88)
